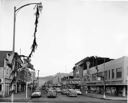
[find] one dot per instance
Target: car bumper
(72, 95)
(51, 96)
(34, 96)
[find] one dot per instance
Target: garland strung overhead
(16, 61)
(34, 45)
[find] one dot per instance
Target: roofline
(81, 61)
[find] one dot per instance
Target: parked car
(64, 91)
(52, 93)
(72, 93)
(78, 91)
(36, 94)
(58, 90)
(50, 89)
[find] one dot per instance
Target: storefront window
(118, 72)
(108, 74)
(113, 73)
(101, 74)
(93, 77)
(105, 75)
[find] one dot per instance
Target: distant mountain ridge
(46, 78)
(55, 77)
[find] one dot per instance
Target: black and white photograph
(63, 51)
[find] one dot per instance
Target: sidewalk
(19, 97)
(107, 97)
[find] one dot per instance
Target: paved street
(60, 99)
(65, 99)
(79, 99)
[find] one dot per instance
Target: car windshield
(37, 91)
(77, 89)
(51, 90)
(71, 90)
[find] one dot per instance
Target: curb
(122, 99)
(107, 98)
(15, 100)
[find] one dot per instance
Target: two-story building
(4, 73)
(103, 73)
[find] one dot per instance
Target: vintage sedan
(78, 91)
(64, 91)
(72, 93)
(58, 90)
(52, 93)
(36, 94)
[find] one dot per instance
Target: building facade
(4, 74)
(108, 77)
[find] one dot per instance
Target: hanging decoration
(17, 62)
(34, 44)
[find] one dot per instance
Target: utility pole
(3, 81)
(38, 77)
(14, 26)
(104, 96)
(27, 84)
(88, 75)
(26, 89)
(12, 95)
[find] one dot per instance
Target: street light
(104, 96)
(39, 6)
(38, 77)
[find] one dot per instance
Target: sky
(68, 31)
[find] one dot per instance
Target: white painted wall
(117, 63)
(126, 70)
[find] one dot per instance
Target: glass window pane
(118, 72)
(105, 75)
(109, 74)
(112, 73)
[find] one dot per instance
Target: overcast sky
(68, 31)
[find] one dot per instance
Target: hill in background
(55, 78)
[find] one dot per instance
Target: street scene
(61, 98)
(63, 51)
